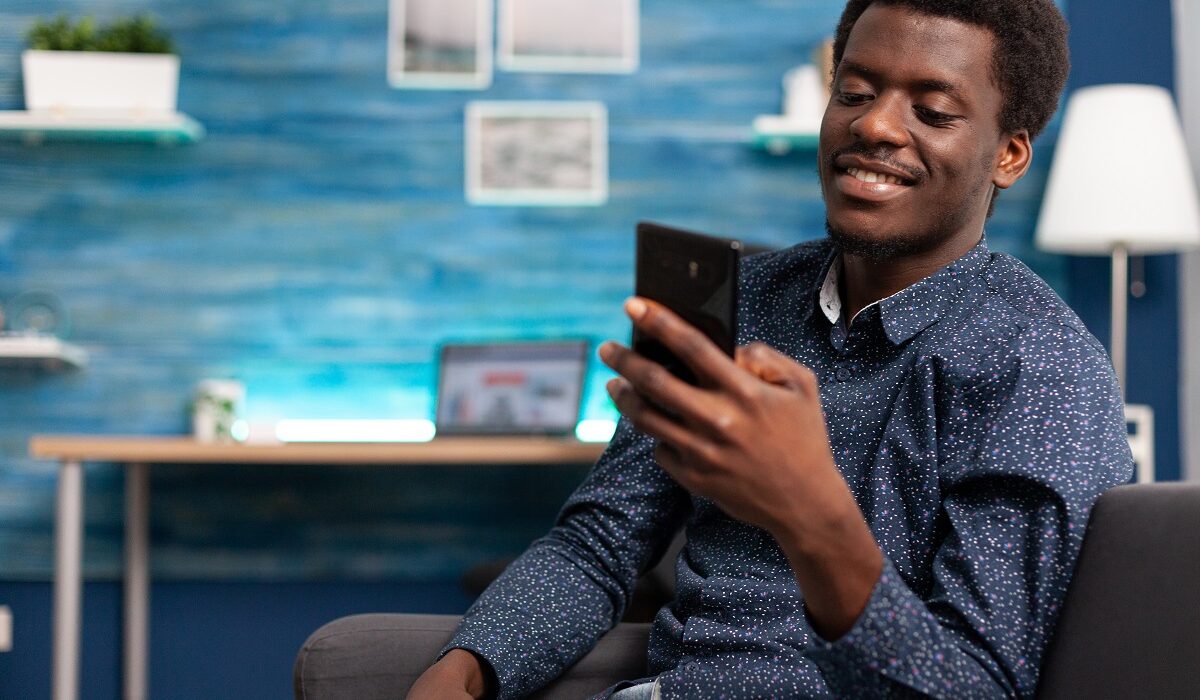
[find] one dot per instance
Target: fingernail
(612, 386)
(606, 350)
(635, 307)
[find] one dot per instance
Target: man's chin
(871, 246)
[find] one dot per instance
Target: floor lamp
(1120, 185)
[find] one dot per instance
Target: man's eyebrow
(924, 85)
(857, 68)
(931, 85)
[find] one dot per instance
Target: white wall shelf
(779, 135)
(34, 128)
(39, 351)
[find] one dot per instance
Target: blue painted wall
(317, 246)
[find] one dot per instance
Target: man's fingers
(668, 458)
(691, 346)
(645, 416)
(678, 451)
(652, 380)
(699, 408)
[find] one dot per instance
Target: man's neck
(865, 281)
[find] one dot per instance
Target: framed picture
(537, 153)
(440, 44)
(569, 36)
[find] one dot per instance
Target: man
(885, 492)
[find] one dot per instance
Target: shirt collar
(830, 299)
(913, 309)
(830, 261)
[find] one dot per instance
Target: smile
(859, 183)
(868, 176)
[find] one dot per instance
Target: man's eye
(852, 98)
(932, 116)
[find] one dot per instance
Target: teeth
(868, 176)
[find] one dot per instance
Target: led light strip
(307, 430)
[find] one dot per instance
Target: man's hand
(751, 438)
(458, 675)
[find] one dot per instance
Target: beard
(876, 250)
(896, 246)
(871, 246)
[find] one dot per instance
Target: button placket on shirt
(838, 338)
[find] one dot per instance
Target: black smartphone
(694, 275)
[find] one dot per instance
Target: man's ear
(1014, 156)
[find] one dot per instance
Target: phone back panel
(694, 275)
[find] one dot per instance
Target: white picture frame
(440, 44)
(568, 36)
(537, 153)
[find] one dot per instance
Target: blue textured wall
(318, 246)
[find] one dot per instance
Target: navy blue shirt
(975, 420)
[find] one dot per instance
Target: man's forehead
(927, 48)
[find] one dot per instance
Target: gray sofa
(1130, 627)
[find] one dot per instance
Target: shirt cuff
(502, 688)
(517, 674)
(891, 638)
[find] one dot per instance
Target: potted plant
(76, 68)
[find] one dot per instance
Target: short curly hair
(1031, 59)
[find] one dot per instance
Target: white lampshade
(1120, 176)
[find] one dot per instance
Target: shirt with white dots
(975, 420)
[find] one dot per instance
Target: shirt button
(844, 375)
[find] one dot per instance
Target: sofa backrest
(1130, 627)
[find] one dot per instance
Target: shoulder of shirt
(1019, 291)
(1018, 317)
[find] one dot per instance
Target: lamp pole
(1120, 311)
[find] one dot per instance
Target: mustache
(879, 154)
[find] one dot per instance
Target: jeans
(645, 691)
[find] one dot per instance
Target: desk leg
(137, 580)
(68, 579)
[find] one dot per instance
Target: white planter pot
(98, 82)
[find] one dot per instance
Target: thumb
(772, 366)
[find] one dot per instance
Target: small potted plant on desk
(76, 68)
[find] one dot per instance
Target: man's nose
(883, 123)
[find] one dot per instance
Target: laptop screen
(530, 388)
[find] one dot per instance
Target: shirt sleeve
(571, 586)
(1027, 441)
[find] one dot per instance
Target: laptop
(518, 388)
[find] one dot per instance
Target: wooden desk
(137, 453)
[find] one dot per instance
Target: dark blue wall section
(1117, 42)
(210, 640)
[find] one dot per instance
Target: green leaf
(140, 34)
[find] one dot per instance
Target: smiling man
(885, 491)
